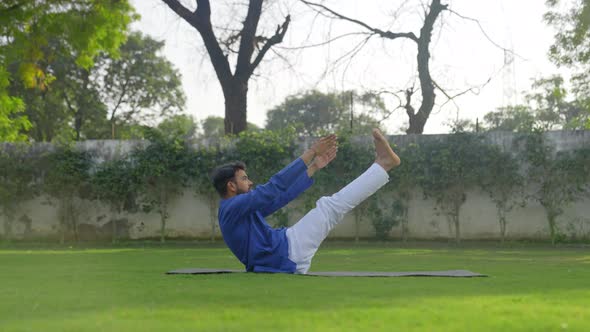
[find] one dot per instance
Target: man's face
(242, 182)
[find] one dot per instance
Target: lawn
(124, 288)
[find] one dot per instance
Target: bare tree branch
(484, 33)
(180, 10)
(243, 68)
(275, 39)
(323, 43)
(384, 34)
(200, 19)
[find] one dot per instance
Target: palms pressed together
(325, 158)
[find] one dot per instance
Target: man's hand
(324, 144)
(319, 148)
(324, 159)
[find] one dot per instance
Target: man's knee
(330, 208)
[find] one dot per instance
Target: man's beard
(240, 191)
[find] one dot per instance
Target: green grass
(125, 289)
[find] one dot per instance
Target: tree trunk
(116, 213)
(8, 228)
(114, 230)
(357, 225)
(551, 217)
(457, 229)
(163, 216)
(62, 221)
(405, 225)
(418, 120)
(74, 220)
(236, 105)
(502, 221)
(81, 106)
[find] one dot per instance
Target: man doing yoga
(243, 208)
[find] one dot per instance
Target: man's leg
(308, 233)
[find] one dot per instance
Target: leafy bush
(66, 181)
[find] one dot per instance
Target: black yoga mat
(447, 273)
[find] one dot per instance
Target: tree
(572, 37)
(548, 107)
(12, 122)
(77, 90)
(137, 86)
(503, 182)
(558, 178)
(214, 127)
(233, 84)
(180, 125)
(450, 168)
(571, 47)
(87, 26)
(17, 184)
(115, 184)
(314, 113)
(67, 180)
(163, 170)
(518, 118)
(140, 84)
(552, 108)
(427, 86)
(402, 183)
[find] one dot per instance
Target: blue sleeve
(264, 195)
(302, 183)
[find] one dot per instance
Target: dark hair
(221, 175)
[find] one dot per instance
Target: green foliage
(314, 113)
(265, 152)
(451, 167)
(162, 170)
(571, 48)
(18, 183)
(179, 125)
(67, 180)
(85, 28)
(214, 127)
(549, 106)
(115, 183)
(572, 37)
(140, 85)
(12, 122)
(136, 87)
(558, 178)
(519, 118)
(503, 181)
(384, 218)
(403, 181)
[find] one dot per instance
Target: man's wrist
(308, 156)
(311, 169)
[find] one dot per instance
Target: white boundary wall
(190, 215)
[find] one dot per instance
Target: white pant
(307, 234)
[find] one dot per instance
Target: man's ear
(231, 186)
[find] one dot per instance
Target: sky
(463, 56)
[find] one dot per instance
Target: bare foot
(386, 158)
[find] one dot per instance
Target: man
(242, 209)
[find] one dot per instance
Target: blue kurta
(253, 241)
